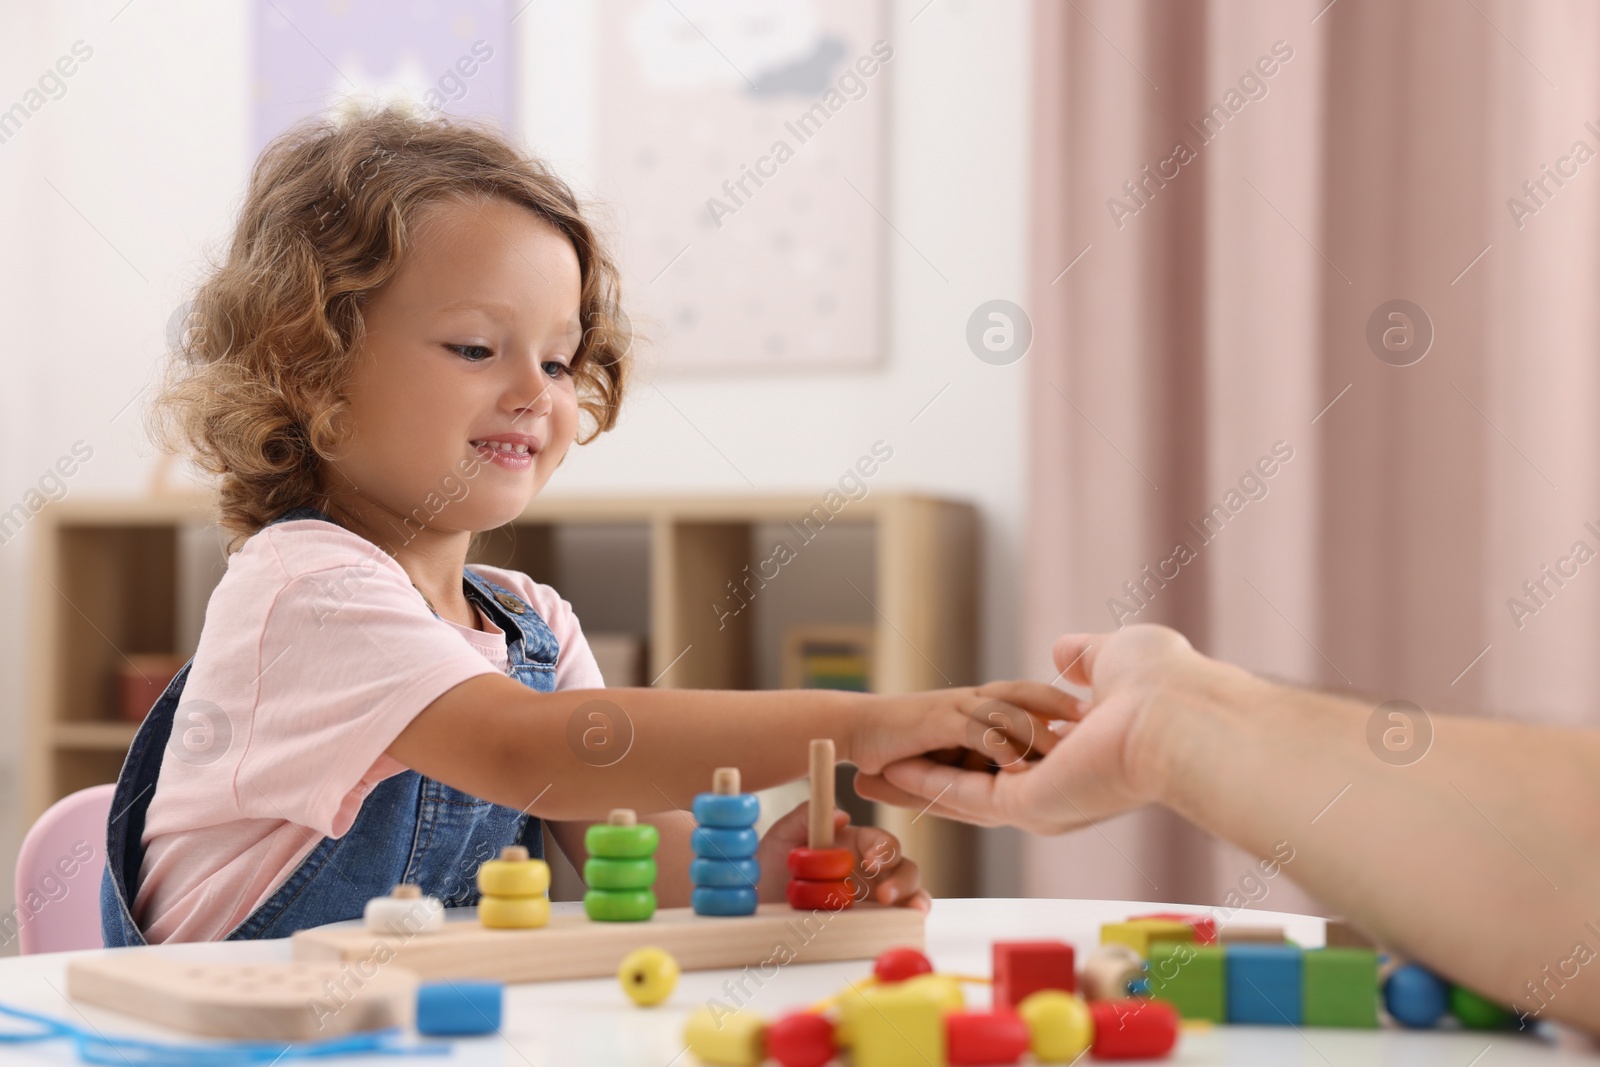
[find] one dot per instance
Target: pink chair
(58, 874)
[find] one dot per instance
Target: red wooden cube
(1024, 967)
(1205, 927)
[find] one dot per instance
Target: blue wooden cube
(1264, 984)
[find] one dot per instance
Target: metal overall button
(511, 603)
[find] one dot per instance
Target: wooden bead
(1133, 1029)
(726, 1038)
(1415, 996)
(601, 873)
(1107, 972)
(621, 842)
(801, 1039)
(619, 905)
(404, 913)
(942, 989)
(514, 913)
(821, 864)
(977, 1037)
(1059, 1025)
(727, 812)
(715, 843)
(819, 896)
(514, 878)
(899, 964)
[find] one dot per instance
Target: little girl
(411, 324)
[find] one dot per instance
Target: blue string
(133, 1052)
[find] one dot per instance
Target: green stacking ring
(602, 873)
(619, 905)
(621, 842)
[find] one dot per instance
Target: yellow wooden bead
(1059, 1025)
(514, 878)
(514, 913)
(726, 1037)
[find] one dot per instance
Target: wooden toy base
(572, 946)
(256, 1001)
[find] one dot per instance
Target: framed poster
(741, 144)
(310, 56)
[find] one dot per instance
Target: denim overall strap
(410, 828)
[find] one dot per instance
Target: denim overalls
(409, 828)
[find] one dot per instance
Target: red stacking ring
(819, 896)
(821, 864)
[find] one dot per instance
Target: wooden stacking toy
(515, 891)
(819, 871)
(621, 869)
(724, 872)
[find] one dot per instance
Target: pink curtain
(1197, 308)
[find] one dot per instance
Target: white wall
(146, 154)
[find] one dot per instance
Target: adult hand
(1105, 761)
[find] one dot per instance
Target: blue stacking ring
(718, 844)
(728, 812)
(723, 900)
(717, 873)
(1415, 996)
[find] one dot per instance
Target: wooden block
(1205, 927)
(1256, 935)
(1138, 934)
(300, 1001)
(1340, 987)
(1191, 978)
(1022, 968)
(1340, 934)
(571, 946)
(898, 1027)
(1265, 984)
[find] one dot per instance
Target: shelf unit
(108, 573)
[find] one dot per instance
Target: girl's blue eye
(556, 369)
(471, 353)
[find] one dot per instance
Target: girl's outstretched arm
(575, 754)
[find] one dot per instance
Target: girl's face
(461, 401)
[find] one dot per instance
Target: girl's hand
(1004, 722)
(1105, 759)
(882, 873)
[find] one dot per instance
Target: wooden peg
(622, 817)
(514, 854)
(725, 781)
(407, 891)
(821, 828)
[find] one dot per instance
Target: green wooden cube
(1191, 978)
(1340, 987)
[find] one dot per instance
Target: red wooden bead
(1205, 927)
(1023, 967)
(821, 864)
(898, 964)
(985, 1037)
(801, 1039)
(1133, 1029)
(819, 896)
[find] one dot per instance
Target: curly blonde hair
(255, 387)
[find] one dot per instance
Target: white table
(573, 1024)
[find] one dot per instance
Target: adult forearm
(1480, 859)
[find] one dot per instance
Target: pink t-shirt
(316, 653)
